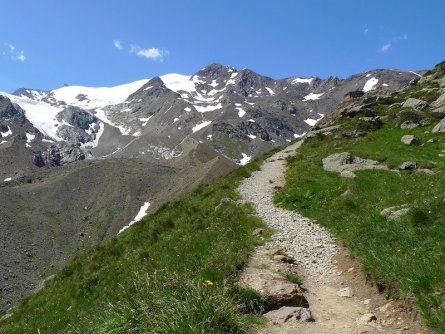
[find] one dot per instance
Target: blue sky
(48, 43)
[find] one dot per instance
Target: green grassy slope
(173, 272)
(405, 258)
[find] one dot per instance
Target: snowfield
(370, 84)
(141, 214)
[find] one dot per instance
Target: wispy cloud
(16, 55)
(150, 53)
(366, 29)
(118, 44)
(156, 54)
(384, 48)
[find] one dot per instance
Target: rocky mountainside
(238, 113)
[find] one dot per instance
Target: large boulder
(409, 140)
(395, 213)
(345, 164)
(415, 104)
(438, 113)
(440, 127)
(288, 314)
(408, 165)
(440, 101)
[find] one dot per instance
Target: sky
(48, 43)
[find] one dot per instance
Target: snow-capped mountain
(239, 113)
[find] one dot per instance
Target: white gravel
(309, 244)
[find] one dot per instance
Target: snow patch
(271, 92)
(299, 136)
(7, 133)
(188, 109)
(251, 136)
(312, 96)
(178, 82)
(311, 121)
(202, 109)
(3, 142)
(370, 84)
(145, 120)
(241, 112)
(97, 137)
(302, 80)
(7, 179)
(415, 73)
(367, 75)
(251, 120)
(245, 159)
(141, 214)
(199, 126)
(385, 85)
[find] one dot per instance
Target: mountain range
(78, 164)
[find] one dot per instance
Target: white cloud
(20, 56)
(385, 48)
(17, 55)
(156, 54)
(153, 53)
(149, 53)
(118, 44)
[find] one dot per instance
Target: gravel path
(311, 245)
(339, 299)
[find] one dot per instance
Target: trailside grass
(173, 272)
(405, 258)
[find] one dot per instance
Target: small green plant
(249, 300)
(293, 278)
(164, 305)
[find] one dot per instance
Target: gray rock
(345, 163)
(409, 140)
(408, 165)
(438, 113)
(289, 313)
(74, 135)
(415, 104)
(440, 101)
(354, 134)
(425, 171)
(329, 129)
(408, 125)
(77, 117)
(395, 213)
(258, 231)
(345, 292)
(440, 127)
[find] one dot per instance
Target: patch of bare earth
(335, 296)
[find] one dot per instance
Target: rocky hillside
(374, 176)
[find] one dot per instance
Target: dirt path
(339, 299)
